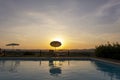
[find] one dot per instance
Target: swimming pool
(58, 70)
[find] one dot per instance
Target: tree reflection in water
(108, 69)
(10, 66)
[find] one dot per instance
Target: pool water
(58, 70)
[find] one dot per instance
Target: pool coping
(44, 58)
(111, 61)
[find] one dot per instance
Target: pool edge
(60, 58)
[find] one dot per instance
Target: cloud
(73, 18)
(109, 13)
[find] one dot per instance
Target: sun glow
(58, 39)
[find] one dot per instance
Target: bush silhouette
(108, 50)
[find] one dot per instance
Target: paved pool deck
(111, 61)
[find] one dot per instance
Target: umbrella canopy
(12, 44)
(55, 44)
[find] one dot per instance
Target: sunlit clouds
(78, 23)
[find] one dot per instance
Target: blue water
(58, 70)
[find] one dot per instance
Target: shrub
(108, 50)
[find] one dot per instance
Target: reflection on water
(9, 66)
(49, 70)
(108, 69)
(55, 68)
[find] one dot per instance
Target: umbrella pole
(55, 48)
(12, 47)
(55, 51)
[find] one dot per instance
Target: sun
(58, 39)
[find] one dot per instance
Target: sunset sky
(78, 24)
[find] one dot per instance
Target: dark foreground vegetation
(47, 53)
(109, 50)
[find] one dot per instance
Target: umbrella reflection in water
(54, 70)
